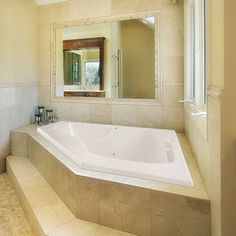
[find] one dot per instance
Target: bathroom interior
(117, 118)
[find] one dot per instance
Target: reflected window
(72, 71)
(92, 73)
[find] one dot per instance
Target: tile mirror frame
(88, 21)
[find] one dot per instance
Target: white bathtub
(138, 152)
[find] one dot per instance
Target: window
(196, 53)
(92, 73)
(193, 54)
(204, 52)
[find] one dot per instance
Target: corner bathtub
(146, 153)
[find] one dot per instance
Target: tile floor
(12, 219)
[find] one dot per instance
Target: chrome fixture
(43, 117)
(41, 109)
(40, 115)
(38, 119)
(186, 100)
(50, 117)
(203, 113)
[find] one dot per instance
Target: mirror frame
(158, 59)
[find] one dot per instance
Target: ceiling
(44, 2)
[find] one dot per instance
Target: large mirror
(113, 59)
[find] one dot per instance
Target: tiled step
(46, 213)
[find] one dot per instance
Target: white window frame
(195, 54)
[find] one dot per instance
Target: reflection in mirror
(112, 59)
(83, 67)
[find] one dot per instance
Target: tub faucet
(51, 119)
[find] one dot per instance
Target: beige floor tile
(12, 218)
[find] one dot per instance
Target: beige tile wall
(206, 147)
(169, 114)
(198, 143)
(213, 182)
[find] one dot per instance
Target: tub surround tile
(179, 216)
(198, 144)
(172, 95)
(150, 117)
(125, 207)
(124, 115)
(100, 113)
(83, 115)
(71, 112)
(44, 164)
(86, 194)
(173, 118)
(19, 144)
(175, 75)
